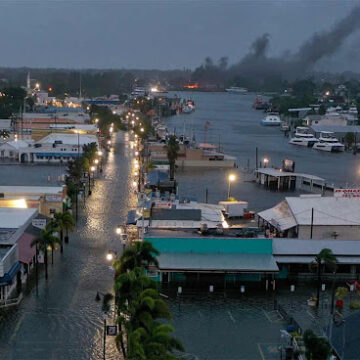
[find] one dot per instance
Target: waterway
(62, 320)
(236, 125)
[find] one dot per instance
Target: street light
(100, 153)
(96, 120)
(119, 230)
(142, 130)
(266, 161)
(109, 256)
(96, 161)
(231, 178)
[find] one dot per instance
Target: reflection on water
(63, 321)
(236, 126)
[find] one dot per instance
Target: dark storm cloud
(155, 34)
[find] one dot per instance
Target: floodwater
(236, 126)
(63, 321)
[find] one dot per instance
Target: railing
(11, 302)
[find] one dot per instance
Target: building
(56, 147)
(222, 260)
(313, 216)
(6, 125)
(12, 148)
(13, 223)
(48, 200)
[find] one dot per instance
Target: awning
(8, 277)
(215, 262)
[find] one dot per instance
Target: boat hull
(268, 123)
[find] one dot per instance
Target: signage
(39, 223)
(53, 198)
(111, 330)
(348, 193)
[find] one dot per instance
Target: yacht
(303, 137)
(236, 90)
(271, 119)
(327, 142)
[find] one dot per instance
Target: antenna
(80, 87)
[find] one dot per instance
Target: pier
(277, 179)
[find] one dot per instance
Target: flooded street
(63, 321)
(236, 125)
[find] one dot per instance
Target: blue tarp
(154, 177)
(131, 218)
(8, 277)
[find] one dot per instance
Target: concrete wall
(349, 232)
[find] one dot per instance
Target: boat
(236, 90)
(271, 119)
(328, 142)
(188, 107)
(284, 126)
(259, 103)
(303, 137)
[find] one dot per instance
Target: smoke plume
(257, 65)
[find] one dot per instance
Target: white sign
(349, 193)
(53, 198)
(39, 223)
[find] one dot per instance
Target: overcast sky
(161, 34)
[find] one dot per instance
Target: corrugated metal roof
(279, 173)
(279, 216)
(313, 247)
(327, 210)
(217, 262)
(309, 259)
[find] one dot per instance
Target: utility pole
(312, 223)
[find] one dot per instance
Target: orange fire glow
(193, 86)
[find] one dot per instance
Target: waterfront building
(313, 216)
(338, 131)
(48, 200)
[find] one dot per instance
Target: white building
(57, 147)
(11, 149)
(313, 216)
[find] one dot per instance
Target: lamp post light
(231, 178)
(266, 161)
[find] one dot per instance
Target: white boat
(271, 119)
(327, 142)
(236, 90)
(303, 137)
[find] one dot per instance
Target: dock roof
(280, 173)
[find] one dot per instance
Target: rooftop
(327, 211)
(12, 218)
(217, 262)
(30, 190)
(69, 139)
(280, 173)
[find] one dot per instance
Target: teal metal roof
(187, 261)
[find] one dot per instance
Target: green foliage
(11, 101)
(354, 305)
(141, 254)
(349, 139)
(322, 109)
(4, 134)
(317, 348)
(341, 292)
(172, 148)
(140, 306)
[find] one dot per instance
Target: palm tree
(141, 254)
(155, 343)
(69, 224)
(172, 148)
(64, 222)
(4, 134)
(44, 241)
(324, 259)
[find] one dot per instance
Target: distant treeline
(92, 82)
